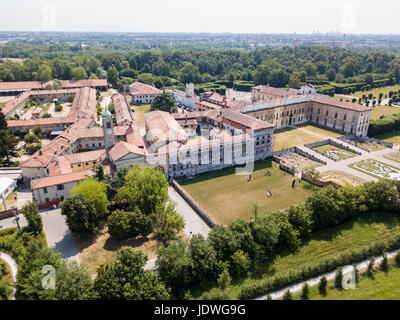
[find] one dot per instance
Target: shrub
(339, 278)
(305, 291)
(384, 266)
(215, 294)
(287, 295)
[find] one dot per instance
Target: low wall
(194, 205)
(333, 143)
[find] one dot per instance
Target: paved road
(57, 233)
(193, 222)
(13, 266)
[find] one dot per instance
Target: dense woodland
(212, 67)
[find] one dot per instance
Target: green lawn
(343, 155)
(384, 111)
(289, 137)
(228, 197)
(325, 244)
(383, 286)
(390, 137)
(139, 112)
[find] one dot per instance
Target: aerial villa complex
(216, 132)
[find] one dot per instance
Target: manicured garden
(334, 152)
(384, 111)
(377, 169)
(227, 196)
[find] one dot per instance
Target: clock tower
(108, 129)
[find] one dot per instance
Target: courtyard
(290, 137)
(227, 196)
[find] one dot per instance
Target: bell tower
(108, 129)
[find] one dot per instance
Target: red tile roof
(143, 89)
(61, 179)
(122, 149)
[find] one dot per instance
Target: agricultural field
(377, 169)
(335, 153)
(289, 137)
(325, 244)
(227, 196)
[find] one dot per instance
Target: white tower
(108, 129)
(190, 90)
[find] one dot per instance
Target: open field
(333, 152)
(139, 112)
(324, 244)
(100, 249)
(289, 137)
(383, 286)
(384, 111)
(228, 197)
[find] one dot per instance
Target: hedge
(384, 125)
(275, 283)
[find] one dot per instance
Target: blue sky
(238, 16)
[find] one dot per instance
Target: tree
(305, 291)
(240, 263)
(78, 73)
(126, 279)
(99, 172)
(175, 266)
(266, 234)
(82, 218)
(31, 138)
(145, 188)
(8, 142)
(45, 73)
(95, 192)
(397, 258)
(32, 216)
(168, 223)
(224, 242)
(384, 266)
(314, 176)
(287, 295)
(338, 278)
(204, 258)
(112, 75)
(301, 219)
(163, 102)
(72, 281)
(370, 267)
(119, 224)
(322, 286)
(224, 280)
(37, 131)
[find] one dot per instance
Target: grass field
(288, 137)
(383, 286)
(139, 112)
(227, 196)
(384, 111)
(342, 155)
(390, 137)
(328, 243)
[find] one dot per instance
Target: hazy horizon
(178, 16)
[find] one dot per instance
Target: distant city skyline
(223, 16)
